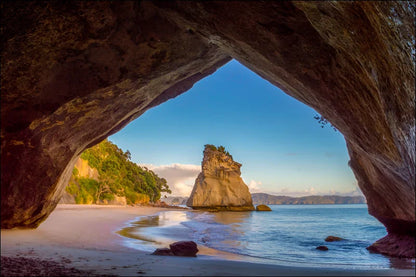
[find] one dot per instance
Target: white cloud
(313, 191)
(180, 177)
(355, 192)
(254, 186)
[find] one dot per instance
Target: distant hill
(268, 199)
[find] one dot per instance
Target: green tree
(118, 175)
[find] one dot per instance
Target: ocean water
(287, 235)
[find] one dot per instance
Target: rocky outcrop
(179, 248)
(219, 185)
(118, 200)
(163, 252)
(263, 208)
(67, 198)
(73, 73)
(184, 248)
(395, 245)
(333, 238)
(85, 170)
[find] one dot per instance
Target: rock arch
(72, 74)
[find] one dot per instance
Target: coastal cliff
(219, 186)
(81, 169)
(104, 174)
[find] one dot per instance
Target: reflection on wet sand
(401, 263)
(151, 232)
(231, 217)
(133, 230)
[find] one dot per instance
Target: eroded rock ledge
(219, 186)
(73, 73)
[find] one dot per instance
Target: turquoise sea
(287, 235)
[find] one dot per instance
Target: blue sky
(282, 147)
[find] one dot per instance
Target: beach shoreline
(84, 237)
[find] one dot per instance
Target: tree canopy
(219, 149)
(118, 176)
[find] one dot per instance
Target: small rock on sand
(163, 252)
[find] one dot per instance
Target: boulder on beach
(184, 248)
(163, 252)
(263, 208)
(219, 186)
(322, 248)
(333, 238)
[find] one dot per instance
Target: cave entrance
(283, 149)
(63, 91)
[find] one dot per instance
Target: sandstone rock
(184, 248)
(67, 198)
(163, 252)
(85, 170)
(219, 185)
(322, 248)
(395, 245)
(75, 73)
(333, 238)
(263, 208)
(118, 200)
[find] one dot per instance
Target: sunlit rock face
(219, 186)
(72, 74)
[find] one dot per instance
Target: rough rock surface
(85, 170)
(263, 208)
(163, 252)
(184, 248)
(219, 185)
(395, 245)
(333, 238)
(322, 248)
(72, 73)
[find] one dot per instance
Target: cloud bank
(312, 191)
(254, 186)
(180, 177)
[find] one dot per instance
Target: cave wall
(72, 74)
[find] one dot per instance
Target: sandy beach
(83, 237)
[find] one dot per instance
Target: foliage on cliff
(118, 176)
(219, 149)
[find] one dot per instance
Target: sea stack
(219, 186)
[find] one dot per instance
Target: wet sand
(84, 238)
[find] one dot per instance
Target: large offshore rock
(73, 73)
(219, 185)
